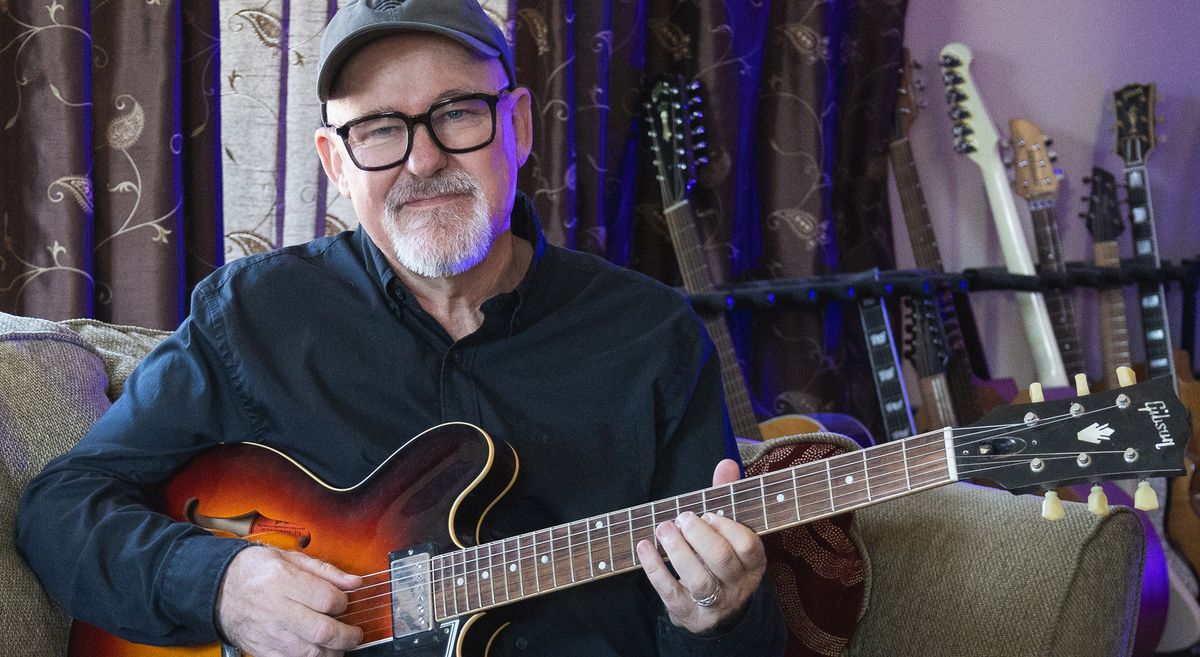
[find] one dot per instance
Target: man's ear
(332, 159)
(522, 119)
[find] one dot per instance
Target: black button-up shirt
(600, 378)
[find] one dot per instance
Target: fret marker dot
(602, 565)
(780, 497)
(512, 568)
(721, 512)
(599, 525)
(849, 479)
(459, 581)
(484, 574)
(545, 559)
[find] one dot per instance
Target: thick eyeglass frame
(411, 123)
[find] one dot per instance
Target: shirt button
(521, 643)
(456, 357)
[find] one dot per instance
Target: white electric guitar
(976, 137)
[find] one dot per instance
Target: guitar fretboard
(1059, 303)
(500, 572)
(1114, 331)
(885, 366)
(1151, 300)
(697, 278)
(925, 250)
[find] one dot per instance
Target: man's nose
(426, 158)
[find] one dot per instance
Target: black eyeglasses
(457, 125)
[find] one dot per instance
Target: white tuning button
(1035, 393)
(1145, 498)
(1052, 508)
(1098, 501)
(1081, 384)
(1125, 376)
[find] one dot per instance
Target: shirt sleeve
(86, 524)
(698, 436)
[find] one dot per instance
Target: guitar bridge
(412, 598)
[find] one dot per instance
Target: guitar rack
(787, 292)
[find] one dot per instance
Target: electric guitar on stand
(676, 138)
(976, 137)
(959, 390)
(432, 588)
(886, 372)
(1134, 106)
(1036, 181)
(1103, 220)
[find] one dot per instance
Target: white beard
(439, 242)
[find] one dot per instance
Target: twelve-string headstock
(1034, 176)
(1137, 431)
(676, 136)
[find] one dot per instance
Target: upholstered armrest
(966, 570)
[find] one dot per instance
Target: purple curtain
(110, 201)
(798, 98)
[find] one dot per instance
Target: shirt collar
(525, 224)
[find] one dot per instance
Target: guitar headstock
(926, 345)
(1134, 104)
(676, 136)
(1133, 432)
(974, 133)
(908, 96)
(1103, 215)
(1033, 165)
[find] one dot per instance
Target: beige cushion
(120, 347)
(966, 570)
(53, 387)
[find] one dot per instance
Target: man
(447, 304)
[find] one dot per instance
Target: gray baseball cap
(361, 21)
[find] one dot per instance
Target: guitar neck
(885, 367)
(513, 569)
(697, 278)
(960, 378)
(1059, 303)
(1017, 258)
(1151, 300)
(912, 203)
(1114, 331)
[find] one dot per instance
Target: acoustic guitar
(676, 140)
(412, 527)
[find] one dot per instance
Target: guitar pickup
(413, 625)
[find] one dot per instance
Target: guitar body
(1183, 497)
(435, 489)
(791, 424)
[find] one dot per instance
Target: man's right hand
(274, 603)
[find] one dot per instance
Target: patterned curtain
(798, 96)
(148, 142)
(109, 197)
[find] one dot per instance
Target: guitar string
(479, 556)
(936, 447)
(637, 522)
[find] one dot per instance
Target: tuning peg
(958, 114)
(1126, 376)
(1081, 383)
(698, 130)
(1145, 498)
(1084, 215)
(1085, 199)
(701, 161)
(1052, 508)
(950, 61)
(1087, 180)
(1035, 393)
(694, 86)
(952, 78)
(1098, 501)
(916, 66)
(1048, 141)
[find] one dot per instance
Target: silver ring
(708, 600)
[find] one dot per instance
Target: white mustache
(419, 189)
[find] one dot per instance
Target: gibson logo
(1158, 415)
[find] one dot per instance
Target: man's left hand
(719, 563)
